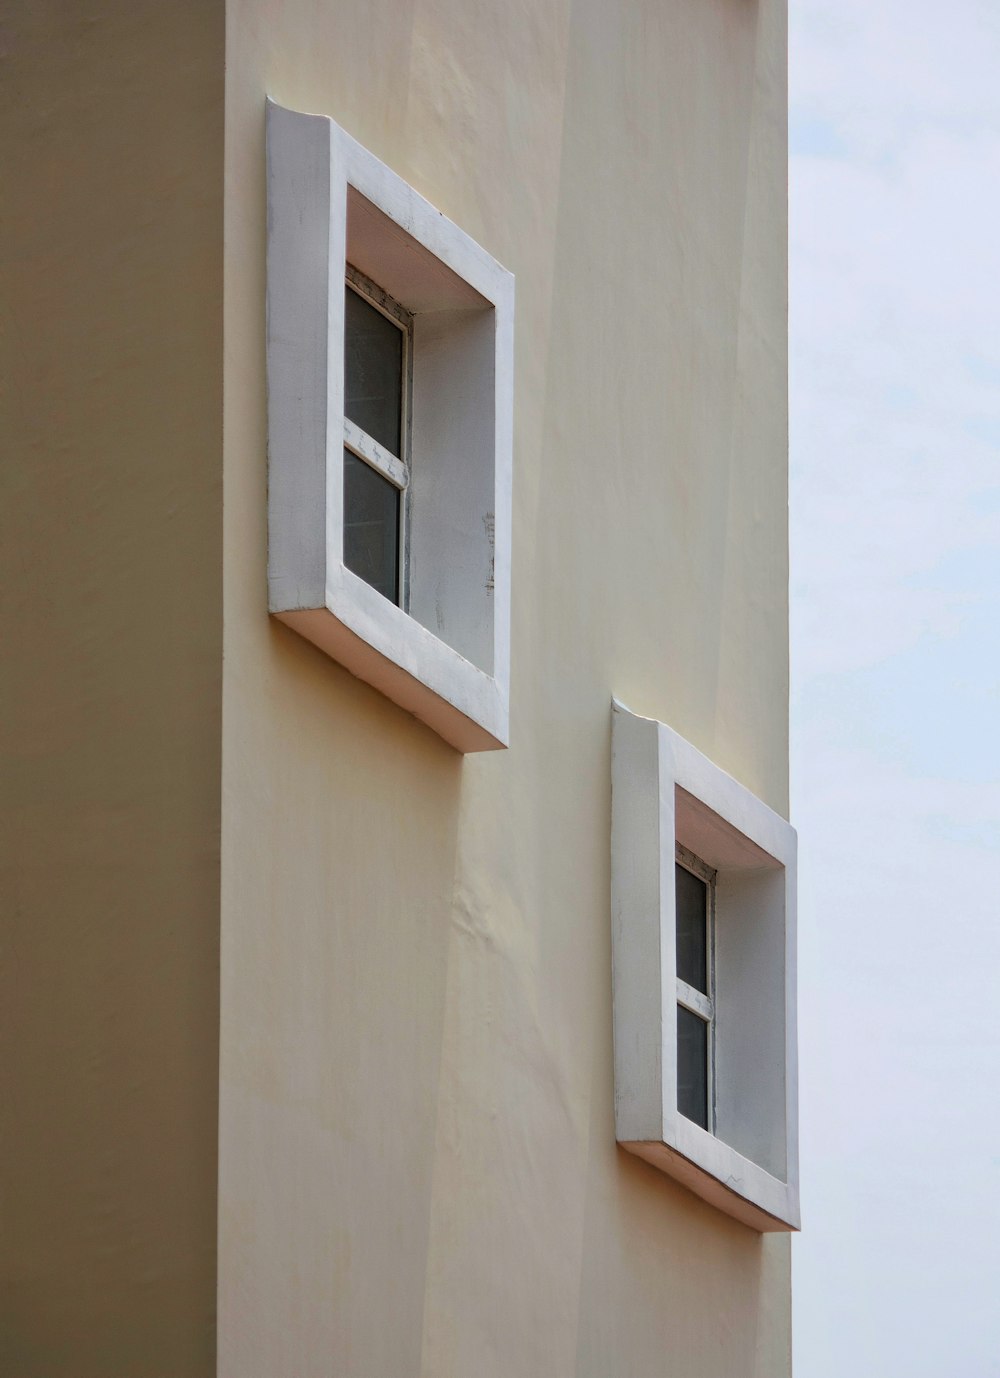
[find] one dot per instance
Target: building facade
(313, 1067)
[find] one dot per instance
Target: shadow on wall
(109, 801)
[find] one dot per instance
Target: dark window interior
(692, 929)
(692, 1066)
(373, 372)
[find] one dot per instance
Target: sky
(895, 530)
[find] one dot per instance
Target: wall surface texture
(418, 1172)
(110, 685)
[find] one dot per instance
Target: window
(390, 412)
(377, 334)
(703, 943)
(694, 890)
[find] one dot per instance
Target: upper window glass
(373, 371)
(692, 928)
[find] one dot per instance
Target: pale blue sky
(895, 513)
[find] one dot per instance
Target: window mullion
(695, 1001)
(376, 456)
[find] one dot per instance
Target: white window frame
(395, 469)
(666, 793)
(444, 655)
(702, 1005)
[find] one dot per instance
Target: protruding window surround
(668, 800)
(437, 640)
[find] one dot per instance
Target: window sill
(388, 649)
(721, 1176)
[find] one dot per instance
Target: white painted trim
(376, 456)
(321, 183)
(664, 792)
(693, 1000)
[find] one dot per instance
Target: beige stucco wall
(418, 1172)
(110, 685)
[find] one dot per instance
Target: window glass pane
(371, 526)
(692, 929)
(373, 371)
(692, 1066)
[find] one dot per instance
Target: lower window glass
(371, 526)
(692, 1066)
